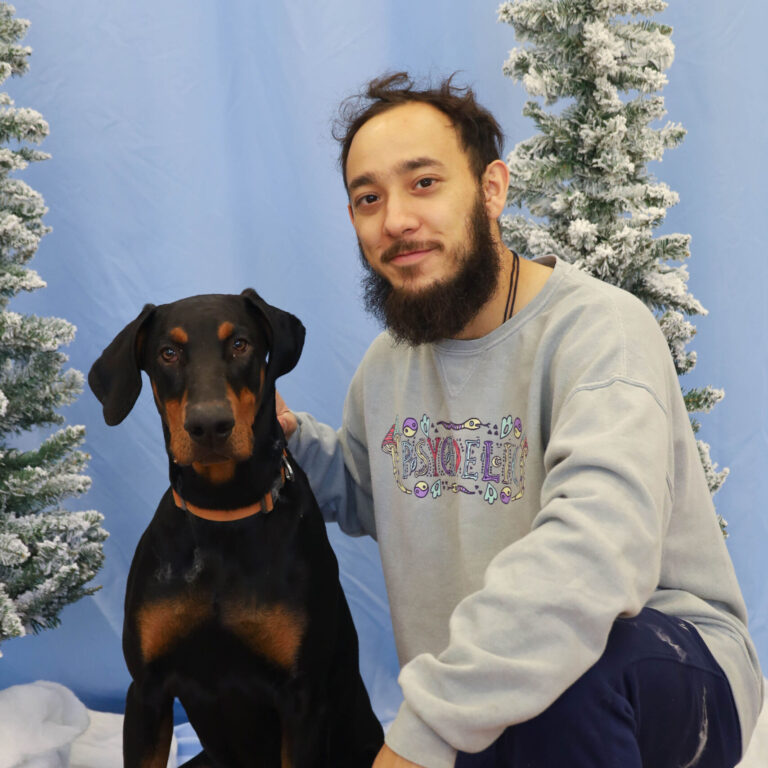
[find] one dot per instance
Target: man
(518, 445)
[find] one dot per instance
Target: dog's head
(212, 361)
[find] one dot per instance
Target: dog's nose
(209, 423)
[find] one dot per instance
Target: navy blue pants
(655, 699)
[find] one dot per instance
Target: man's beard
(442, 310)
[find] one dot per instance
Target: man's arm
(336, 464)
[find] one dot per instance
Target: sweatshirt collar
(517, 321)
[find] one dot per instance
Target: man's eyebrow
(419, 162)
(413, 164)
(361, 181)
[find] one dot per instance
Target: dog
(233, 603)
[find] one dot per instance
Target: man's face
(419, 216)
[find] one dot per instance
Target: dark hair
(479, 133)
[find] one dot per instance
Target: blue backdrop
(192, 154)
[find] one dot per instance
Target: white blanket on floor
(44, 725)
(38, 723)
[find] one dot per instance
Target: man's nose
(400, 217)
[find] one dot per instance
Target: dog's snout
(209, 423)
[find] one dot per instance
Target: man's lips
(408, 255)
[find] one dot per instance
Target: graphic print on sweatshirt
(479, 458)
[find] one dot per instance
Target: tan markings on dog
(244, 407)
(285, 757)
(225, 331)
(162, 746)
(179, 335)
(274, 631)
(221, 472)
(175, 416)
(163, 623)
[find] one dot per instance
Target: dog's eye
(239, 346)
(169, 354)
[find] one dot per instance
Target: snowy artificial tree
(584, 177)
(47, 554)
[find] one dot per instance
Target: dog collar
(266, 504)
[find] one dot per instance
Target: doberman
(233, 603)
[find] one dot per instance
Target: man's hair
(479, 133)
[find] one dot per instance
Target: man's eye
(367, 199)
(425, 183)
(169, 354)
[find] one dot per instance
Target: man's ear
(285, 335)
(495, 182)
(115, 378)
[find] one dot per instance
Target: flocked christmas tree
(47, 554)
(584, 177)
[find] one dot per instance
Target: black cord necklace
(513, 277)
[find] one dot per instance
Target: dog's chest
(250, 594)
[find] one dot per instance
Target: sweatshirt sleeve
(548, 601)
(336, 464)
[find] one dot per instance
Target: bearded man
(517, 443)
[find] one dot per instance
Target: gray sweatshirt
(526, 489)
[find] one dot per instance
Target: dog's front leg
(148, 726)
(303, 720)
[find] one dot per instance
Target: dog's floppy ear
(285, 335)
(115, 378)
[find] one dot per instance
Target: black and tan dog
(233, 603)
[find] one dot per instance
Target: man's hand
(285, 416)
(389, 759)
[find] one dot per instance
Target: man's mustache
(408, 246)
